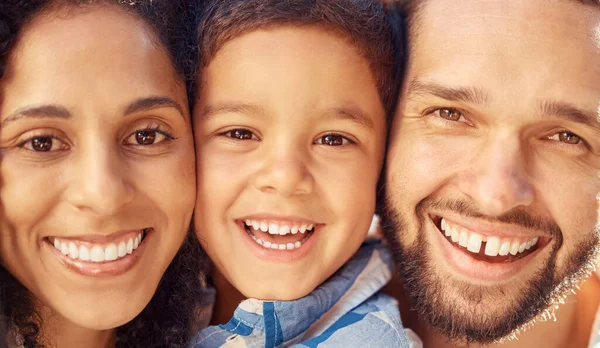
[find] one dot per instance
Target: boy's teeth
(275, 246)
(273, 229)
(277, 229)
(494, 246)
(98, 253)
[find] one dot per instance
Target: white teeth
(73, 251)
(122, 249)
(463, 239)
(514, 248)
(84, 253)
(64, 248)
(474, 243)
(273, 229)
(455, 236)
(492, 246)
(284, 230)
(97, 254)
(274, 246)
(110, 253)
(504, 248)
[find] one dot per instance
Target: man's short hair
(362, 22)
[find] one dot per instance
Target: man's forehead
(545, 49)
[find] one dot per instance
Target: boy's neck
(58, 331)
(572, 329)
(227, 300)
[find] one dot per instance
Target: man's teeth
(99, 253)
(278, 228)
(494, 246)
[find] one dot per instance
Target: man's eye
(567, 138)
(43, 144)
(449, 114)
(333, 140)
(240, 134)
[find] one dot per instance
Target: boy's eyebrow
(213, 110)
(350, 113)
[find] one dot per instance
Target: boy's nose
(285, 173)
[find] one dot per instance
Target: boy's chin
(270, 290)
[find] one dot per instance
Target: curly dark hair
(168, 319)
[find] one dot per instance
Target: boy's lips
(277, 239)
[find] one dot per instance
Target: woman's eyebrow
(42, 111)
(151, 103)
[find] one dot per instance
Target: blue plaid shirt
(347, 310)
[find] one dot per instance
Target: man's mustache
(518, 216)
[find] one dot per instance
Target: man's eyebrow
(151, 103)
(353, 114)
(239, 108)
(41, 111)
(570, 113)
(470, 95)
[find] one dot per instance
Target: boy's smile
(290, 132)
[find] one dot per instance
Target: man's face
(492, 175)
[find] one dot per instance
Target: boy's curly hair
(168, 318)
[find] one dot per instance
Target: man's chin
(467, 311)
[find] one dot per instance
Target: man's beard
(460, 311)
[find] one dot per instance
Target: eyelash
(435, 112)
(47, 135)
(151, 128)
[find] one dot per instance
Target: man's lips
(490, 244)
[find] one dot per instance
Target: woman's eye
(567, 138)
(147, 137)
(240, 134)
(43, 144)
(333, 140)
(449, 114)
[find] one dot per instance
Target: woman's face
(97, 164)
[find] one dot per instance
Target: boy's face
(290, 135)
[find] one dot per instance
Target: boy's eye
(240, 134)
(449, 114)
(43, 144)
(567, 138)
(332, 140)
